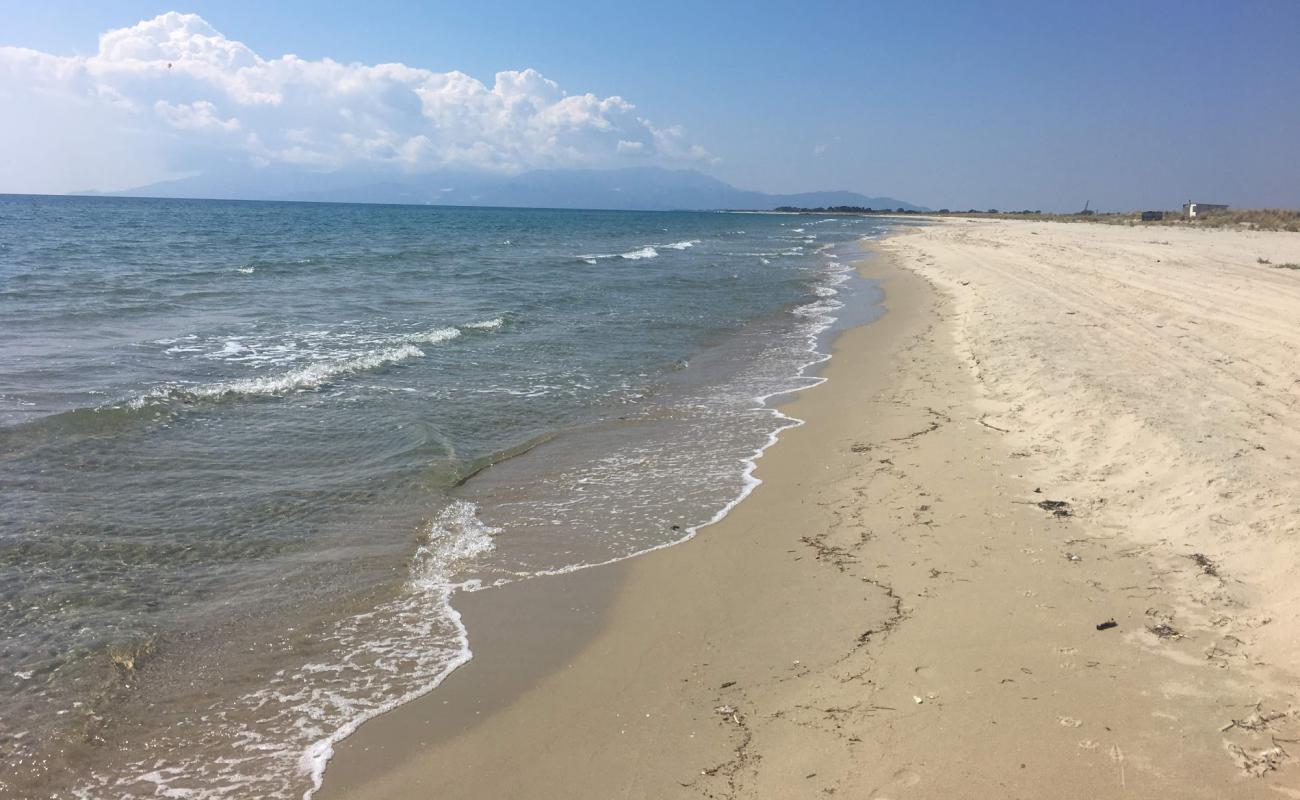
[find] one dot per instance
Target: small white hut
(1193, 210)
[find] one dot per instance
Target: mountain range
(638, 188)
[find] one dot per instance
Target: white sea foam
(231, 347)
(454, 538)
(637, 255)
(377, 660)
(317, 357)
(682, 245)
(307, 377)
(485, 325)
(433, 336)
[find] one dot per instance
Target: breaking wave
(308, 377)
(637, 255)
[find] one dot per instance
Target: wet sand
(892, 613)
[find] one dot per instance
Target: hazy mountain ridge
(640, 188)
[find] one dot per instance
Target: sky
(960, 105)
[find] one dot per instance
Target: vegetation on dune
(1255, 219)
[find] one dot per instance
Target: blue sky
(1038, 105)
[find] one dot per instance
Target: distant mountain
(641, 188)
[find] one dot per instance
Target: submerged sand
(894, 613)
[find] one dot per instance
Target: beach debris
(1254, 723)
(1256, 762)
(1165, 631)
(729, 713)
(1073, 557)
(1208, 566)
(918, 699)
(1059, 508)
(1107, 625)
(727, 685)
(983, 421)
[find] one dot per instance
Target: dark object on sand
(1107, 625)
(1059, 508)
(1165, 631)
(1208, 567)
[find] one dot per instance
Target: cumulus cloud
(172, 95)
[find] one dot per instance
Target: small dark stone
(1059, 508)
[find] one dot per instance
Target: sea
(252, 453)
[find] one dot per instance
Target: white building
(1192, 210)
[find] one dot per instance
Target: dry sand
(891, 614)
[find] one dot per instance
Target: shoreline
(888, 614)
(504, 638)
(493, 679)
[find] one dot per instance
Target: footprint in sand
(903, 779)
(1066, 651)
(1088, 744)
(1069, 722)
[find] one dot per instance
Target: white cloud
(194, 116)
(182, 98)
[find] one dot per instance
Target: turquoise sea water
(249, 452)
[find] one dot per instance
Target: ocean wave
(309, 377)
(682, 245)
(373, 662)
(485, 325)
(404, 659)
(434, 336)
(637, 255)
(456, 536)
(231, 347)
(251, 266)
(632, 255)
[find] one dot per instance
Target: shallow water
(250, 451)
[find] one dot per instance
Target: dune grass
(1255, 219)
